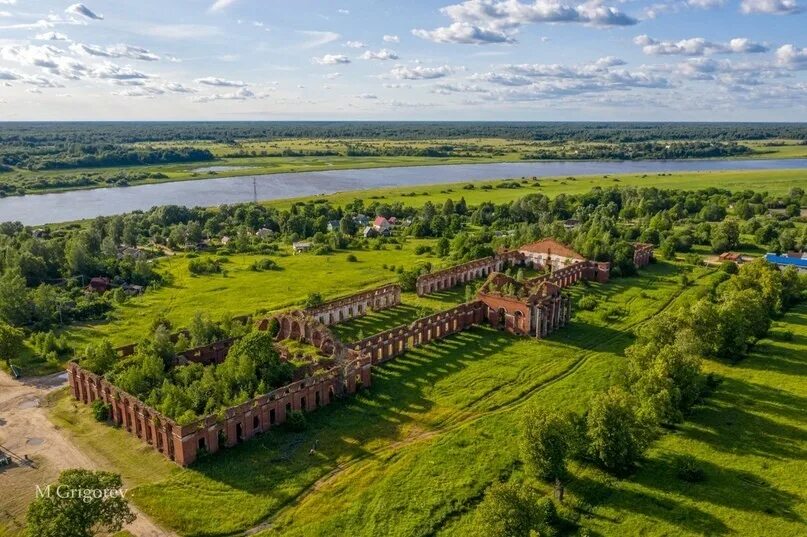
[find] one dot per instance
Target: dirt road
(25, 431)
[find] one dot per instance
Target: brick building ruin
(343, 309)
(546, 254)
(533, 307)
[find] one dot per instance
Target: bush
(351, 258)
(264, 264)
(687, 469)
(729, 267)
(587, 302)
(296, 421)
(204, 266)
(100, 410)
(423, 249)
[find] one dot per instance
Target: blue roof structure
(788, 261)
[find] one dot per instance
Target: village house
(369, 232)
(784, 261)
(381, 225)
(361, 220)
(734, 257)
(264, 232)
(99, 284)
(301, 246)
(333, 226)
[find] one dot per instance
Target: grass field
(244, 291)
(410, 456)
(775, 182)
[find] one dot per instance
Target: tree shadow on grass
(727, 487)
(776, 355)
(733, 421)
(593, 493)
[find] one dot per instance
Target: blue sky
(721, 60)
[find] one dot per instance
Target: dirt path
(25, 431)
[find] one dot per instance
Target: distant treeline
(94, 156)
(648, 150)
(99, 133)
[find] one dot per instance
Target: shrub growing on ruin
(100, 410)
(296, 421)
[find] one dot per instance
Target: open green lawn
(412, 454)
(244, 291)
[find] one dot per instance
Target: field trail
(457, 419)
(27, 433)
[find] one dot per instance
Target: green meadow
(775, 182)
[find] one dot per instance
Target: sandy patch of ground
(40, 451)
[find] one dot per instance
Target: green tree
(99, 357)
(510, 510)
(15, 309)
(11, 342)
(443, 247)
(616, 436)
(545, 444)
(67, 515)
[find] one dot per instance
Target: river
(38, 209)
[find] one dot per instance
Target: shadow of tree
(593, 493)
(731, 488)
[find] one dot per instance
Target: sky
(536, 60)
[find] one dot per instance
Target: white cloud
(331, 59)
(697, 46)
(81, 10)
(419, 72)
(140, 91)
(241, 94)
(220, 82)
(8, 2)
(463, 32)
(220, 5)
(495, 21)
(355, 44)
(33, 90)
(178, 88)
(705, 4)
(114, 51)
(7, 74)
(391, 39)
(367, 96)
(318, 38)
(333, 76)
(383, 54)
(178, 31)
(776, 7)
(5, 13)
(791, 57)
(51, 36)
(343, 11)
(116, 72)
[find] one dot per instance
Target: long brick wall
(356, 305)
(396, 341)
(183, 443)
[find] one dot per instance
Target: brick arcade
(534, 307)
